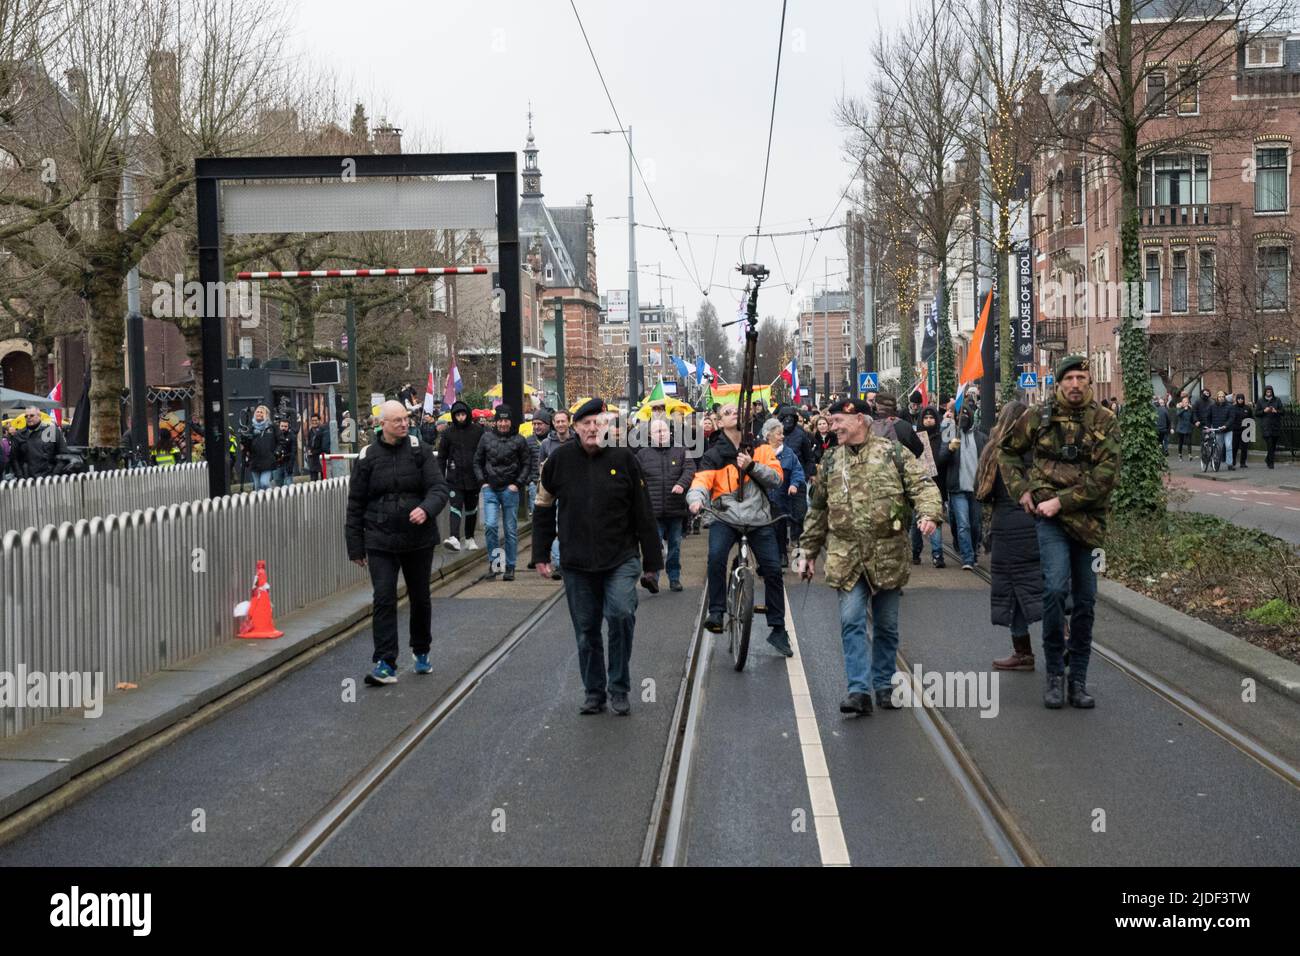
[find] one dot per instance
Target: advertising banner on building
(1024, 308)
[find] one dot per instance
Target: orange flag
(973, 367)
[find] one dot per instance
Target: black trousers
(464, 504)
(1271, 442)
(416, 567)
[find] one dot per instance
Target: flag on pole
(973, 367)
(454, 383)
(56, 395)
(730, 395)
(428, 392)
(922, 384)
(790, 374)
(656, 394)
(682, 371)
(703, 369)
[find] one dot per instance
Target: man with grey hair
(394, 496)
(667, 472)
(38, 446)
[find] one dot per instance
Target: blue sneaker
(384, 673)
(422, 665)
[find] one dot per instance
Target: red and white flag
(428, 392)
(56, 395)
(790, 374)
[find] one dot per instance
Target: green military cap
(1070, 363)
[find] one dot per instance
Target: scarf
(261, 426)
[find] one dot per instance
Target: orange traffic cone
(257, 614)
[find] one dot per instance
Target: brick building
(1217, 218)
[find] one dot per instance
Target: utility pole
(559, 353)
(353, 373)
(634, 301)
(986, 271)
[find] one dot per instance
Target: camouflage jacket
(1083, 479)
(863, 505)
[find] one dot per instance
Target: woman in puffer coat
(785, 499)
(1016, 598)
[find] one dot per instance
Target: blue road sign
(1028, 379)
(1049, 380)
(868, 382)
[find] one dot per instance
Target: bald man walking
(394, 496)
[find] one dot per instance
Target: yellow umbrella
(497, 390)
(20, 421)
(671, 406)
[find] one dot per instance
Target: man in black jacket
(606, 520)
(668, 471)
(394, 496)
(1270, 410)
(318, 444)
(1241, 413)
(1201, 409)
(38, 446)
(456, 448)
(502, 464)
(1220, 416)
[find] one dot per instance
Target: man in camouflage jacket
(1075, 446)
(867, 488)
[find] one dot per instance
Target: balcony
(1268, 84)
(1189, 216)
(1051, 335)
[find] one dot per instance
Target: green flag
(657, 395)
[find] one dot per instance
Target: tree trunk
(106, 301)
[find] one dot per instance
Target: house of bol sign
(1025, 298)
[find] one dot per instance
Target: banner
(730, 395)
(1024, 317)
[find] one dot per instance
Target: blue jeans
(1067, 575)
(762, 542)
(936, 542)
(966, 519)
(1227, 447)
(670, 534)
(283, 476)
(503, 505)
(263, 480)
(611, 595)
(884, 636)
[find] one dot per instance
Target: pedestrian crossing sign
(868, 382)
(1028, 379)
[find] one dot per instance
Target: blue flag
(682, 371)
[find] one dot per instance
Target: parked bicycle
(1211, 450)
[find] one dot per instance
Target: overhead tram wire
(849, 185)
(623, 131)
(771, 123)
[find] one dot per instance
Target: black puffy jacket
(662, 468)
(37, 450)
(1220, 415)
(261, 448)
(1014, 569)
(797, 440)
(456, 450)
(502, 460)
(388, 482)
(1270, 424)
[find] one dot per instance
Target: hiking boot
(619, 704)
(713, 622)
(1079, 696)
(509, 575)
(1021, 657)
(856, 703)
(1054, 696)
(885, 699)
(594, 703)
(781, 641)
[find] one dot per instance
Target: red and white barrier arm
(368, 273)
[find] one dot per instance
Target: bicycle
(740, 604)
(1210, 448)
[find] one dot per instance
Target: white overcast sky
(694, 79)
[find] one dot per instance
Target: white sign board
(616, 305)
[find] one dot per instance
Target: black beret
(592, 406)
(849, 406)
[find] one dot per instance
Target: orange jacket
(717, 474)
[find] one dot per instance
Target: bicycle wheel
(1205, 459)
(740, 612)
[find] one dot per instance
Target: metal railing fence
(132, 593)
(36, 502)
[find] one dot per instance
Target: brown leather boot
(1021, 657)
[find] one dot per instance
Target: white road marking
(1289, 508)
(826, 813)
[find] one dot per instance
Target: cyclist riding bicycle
(740, 507)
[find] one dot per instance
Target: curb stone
(1268, 668)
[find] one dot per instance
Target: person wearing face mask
(927, 431)
(1183, 425)
(1201, 410)
(1241, 413)
(1270, 422)
(1061, 461)
(456, 447)
(959, 455)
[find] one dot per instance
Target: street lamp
(634, 302)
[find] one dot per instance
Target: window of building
(1076, 200)
(606, 337)
(1175, 179)
(1262, 53)
(1153, 283)
(1189, 91)
(1270, 179)
(1178, 284)
(1272, 276)
(1058, 200)
(846, 351)
(808, 328)
(844, 327)
(652, 336)
(1205, 281)
(1156, 94)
